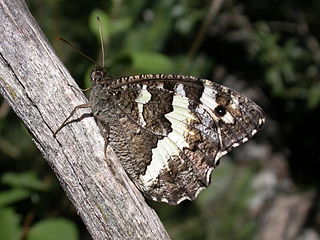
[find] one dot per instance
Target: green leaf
(9, 224)
(314, 96)
(13, 195)
(150, 62)
(24, 180)
(53, 229)
(120, 25)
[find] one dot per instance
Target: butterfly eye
(98, 74)
(220, 111)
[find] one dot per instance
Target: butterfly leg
(86, 105)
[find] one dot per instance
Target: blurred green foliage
(274, 51)
(27, 187)
(53, 229)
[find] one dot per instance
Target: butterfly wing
(170, 130)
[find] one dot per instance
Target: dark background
(266, 50)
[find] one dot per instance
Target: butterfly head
(99, 75)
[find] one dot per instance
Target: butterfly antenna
(101, 39)
(76, 49)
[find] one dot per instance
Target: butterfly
(169, 131)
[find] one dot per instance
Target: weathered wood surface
(34, 82)
(286, 217)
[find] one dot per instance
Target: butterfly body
(169, 131)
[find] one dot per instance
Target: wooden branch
(34, 82)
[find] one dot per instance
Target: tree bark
(35, 84)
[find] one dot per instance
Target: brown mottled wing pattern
(170, 130)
